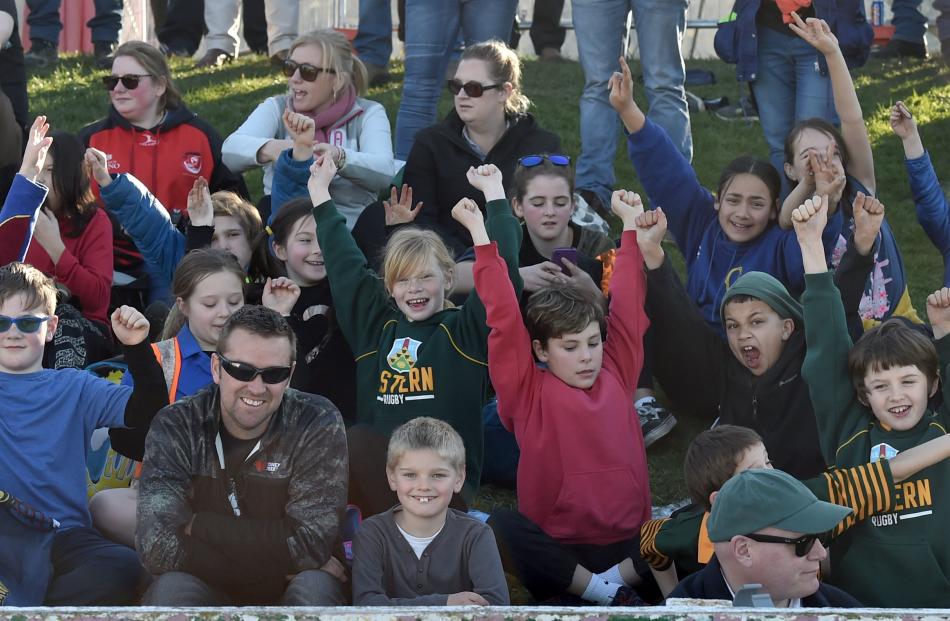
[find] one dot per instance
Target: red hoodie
(582, 475)
(167, 158)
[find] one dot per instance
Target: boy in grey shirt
(420, 552)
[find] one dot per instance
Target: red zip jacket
(166, 158)
(582, 476)
(85, 267)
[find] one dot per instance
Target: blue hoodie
(713, 261)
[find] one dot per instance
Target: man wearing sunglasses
(244, 484)
(766, 529)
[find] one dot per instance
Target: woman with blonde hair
(325, 83)
(150, 133)
(489, 124)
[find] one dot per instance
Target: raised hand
(902, 121)
(398, 208)
(200, 209)
(810, 218)
(626, 205)
(651, 230)
(621, 98)
(467, 213)
(129, 326)
(938, 312)
(300, 128)
(37, 145)
(466, 598)
(487, 179)
(321, 174)
(828, 174)
(816, 33)
(868, 216)
(280, 294)
(98, 164)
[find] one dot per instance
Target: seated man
(244, 484)
(765, 526)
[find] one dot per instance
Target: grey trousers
(308, 588)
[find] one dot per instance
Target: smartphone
(564, 253)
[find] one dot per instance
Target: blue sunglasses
(530, 161)
(27, 324)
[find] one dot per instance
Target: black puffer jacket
(441, 156)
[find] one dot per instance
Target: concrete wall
(669, 613)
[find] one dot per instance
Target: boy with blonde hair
(421, 552)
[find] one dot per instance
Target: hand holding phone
(558, 256)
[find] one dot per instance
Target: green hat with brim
(767, 288)
(757, 499)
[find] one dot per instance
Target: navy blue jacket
(708, 583)
(737, 40)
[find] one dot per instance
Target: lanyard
(231, 485)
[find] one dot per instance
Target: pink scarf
(326, 119)
(787, 6)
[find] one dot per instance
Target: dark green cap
(767, 288)
(757, 499)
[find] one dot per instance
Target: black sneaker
(626, 596)
(102, 53)
(745, 110)
(655, 421)
(896, 48)
(591, 198)
(42, 54)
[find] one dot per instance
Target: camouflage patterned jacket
(288, 496)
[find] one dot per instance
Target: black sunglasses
(472, 89)
(308, 72)
(530, 161)
(803, 544)
(129, 81)
(27, 324)
(244, 372)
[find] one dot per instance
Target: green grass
(71, 96)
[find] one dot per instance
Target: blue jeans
(600, 28)
(909, 22)
(432, 28)
(44, 20)
(788, 88)
(374, 38)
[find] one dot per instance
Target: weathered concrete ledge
(513, 613)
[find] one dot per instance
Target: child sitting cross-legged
(871, 401)
(421, 552)
(583, 490)
(680, 545)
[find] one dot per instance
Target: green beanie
(767, 288)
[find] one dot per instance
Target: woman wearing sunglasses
(324, 82)
(488, 125)
(150, 133)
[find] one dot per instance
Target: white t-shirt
(418, 544)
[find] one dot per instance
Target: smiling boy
(871, 401)
(421, 552)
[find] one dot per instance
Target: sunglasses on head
(308, 72)
(472, 89)
(244, 372)
(529, 161)
(129, 81)
(803, 544)
(27, 324)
